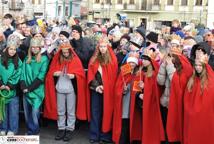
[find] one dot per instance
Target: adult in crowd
(83, 47)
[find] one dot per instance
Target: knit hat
(36, 42)
(203, 45)
(153, 37)
(13, 41)
(65, 45)
(66, 34)
(133, 57)
(77, 28)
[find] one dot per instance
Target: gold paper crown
(176, 37)
(65, 45)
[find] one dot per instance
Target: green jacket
(32, 71)
(10, 76)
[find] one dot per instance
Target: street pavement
(48, 131)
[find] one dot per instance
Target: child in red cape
(59, 100)
(199, 105)
(121, 119)
(102, 73)
(146, 125)
(174, 125)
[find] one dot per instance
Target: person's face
(62, 37)
(7, 21)
(123, 42)
(146, 63)
(103, 48)
(133, 47)
(208, 37)
(23, 27)
(75, 34)
(65, 53)
(199, 53)
(11, 51)
(35, 50)
(27, 32)
(133, 65)
(198, 67)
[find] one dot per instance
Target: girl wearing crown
(65, 91)
(198, 105)
(121, 118)
(102, 72)
(34, 70)
(178, 81)
(145, 115)
(10, 67)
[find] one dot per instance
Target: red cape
(74, 66)
(199, 112)
(117, 118)
(152, 127)
(174, 126)
(109, 74)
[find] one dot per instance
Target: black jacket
(84, 48)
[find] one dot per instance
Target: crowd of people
(132, 85)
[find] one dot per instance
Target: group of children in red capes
(190, 110)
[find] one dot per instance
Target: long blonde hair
(103, 59)
(203, 77)
(38, 56)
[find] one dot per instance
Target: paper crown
(65, 45)
(37, 42)
(137, 41)
(13, 41)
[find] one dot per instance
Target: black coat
(84, 48)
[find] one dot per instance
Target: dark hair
(8, 16)
(177, 63)
(5, 57)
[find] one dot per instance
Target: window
(119, 1)
(66, 11)
(33, 1)
(198, 2)
(108, 1)
(156, 2)
(59, 10)
(97, 1)
(169, 2)
(184, 2)
(131, 2)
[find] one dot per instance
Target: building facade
(151, 12)
(48, 9)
